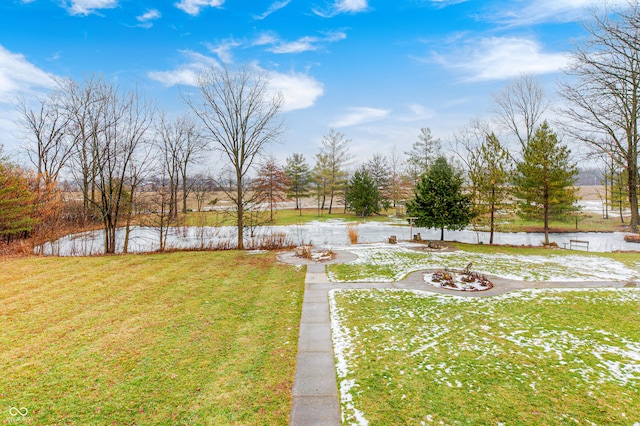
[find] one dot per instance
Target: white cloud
(149, 15)
(445, 3)
(418, 112)
(499, 58)
(146, 18)
(537, 11)
(18, 76)
(265, 39)
(360, 115)
(186, 74)
(86, 7)
(223, 50)
(299, 90)
(343, 6)
(303, 44)
(192, 7)
(351, 5)
(275, 6)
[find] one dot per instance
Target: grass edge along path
(530, 357)
(180, 338)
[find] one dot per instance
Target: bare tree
(130, 116)
(144, 166)
(49, 148)
(603, 96)
(400, 181)
(203, 186)
(467, 140)
(47, 129)
(171, 137)
(83, 104)
(241, 117)
(191, 151)
(110, 127)
(520, 107)
(271, 184)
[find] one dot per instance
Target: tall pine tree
(489, 171)
(438, 199)
(299, 174)
(544, 179)
(363, 195)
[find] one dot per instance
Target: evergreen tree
(334, 156)
(299, 175)
(438, 199)
(423, 153)
(489, 172)
(17, 202)
(619, 191)
(544, 179)
(380, 172)
(363, 196)
(321, 179)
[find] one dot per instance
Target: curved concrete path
(315, 399)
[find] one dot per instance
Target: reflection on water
(320, 234)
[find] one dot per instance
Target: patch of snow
(594, 355)
(342, 338)
(575, 268)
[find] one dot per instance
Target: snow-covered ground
(419, 327)
(402, 260)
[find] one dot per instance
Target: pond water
(331, 234)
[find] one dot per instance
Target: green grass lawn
(534, 357)
(281, 217)
(587, 222)
(181, 338)
(530, 264)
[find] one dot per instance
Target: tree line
(112, 141)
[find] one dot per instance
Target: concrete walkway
(315, 399)
(315, 391)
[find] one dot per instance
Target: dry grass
(353, 233)
(181, 338)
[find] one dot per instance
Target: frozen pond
(330, 234)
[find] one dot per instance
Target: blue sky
(377, 71)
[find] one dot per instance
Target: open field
(179, 338)
(587, 221)
(532, 357)
(223, 214)
(281, 217)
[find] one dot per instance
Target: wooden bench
(578, 244)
